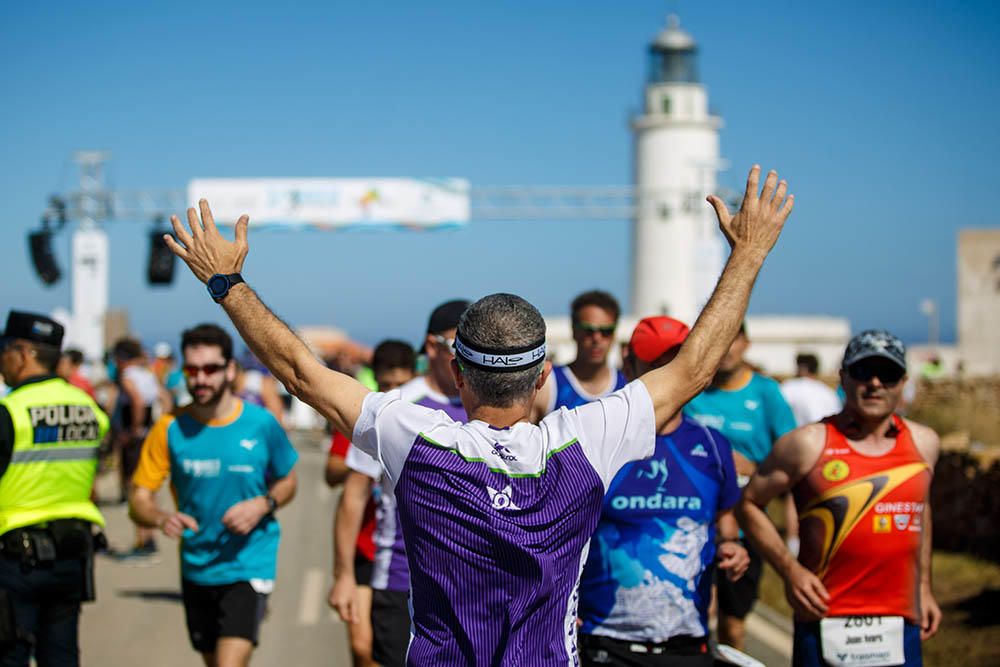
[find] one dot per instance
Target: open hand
(244, 516)
(761, 216)
(204, 250)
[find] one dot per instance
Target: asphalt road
(138, 618)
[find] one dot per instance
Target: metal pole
(90, 258)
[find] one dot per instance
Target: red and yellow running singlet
(860, 523)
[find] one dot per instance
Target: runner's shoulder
(925, 439)
(800, 448)
(168, 418)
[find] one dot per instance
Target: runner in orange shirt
(861, 587)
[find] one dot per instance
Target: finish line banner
(335, 202)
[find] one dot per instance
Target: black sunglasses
(587, 328)
(888, 373)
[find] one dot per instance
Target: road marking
(778, 640)
(311, 601)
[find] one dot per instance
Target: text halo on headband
(501, 361)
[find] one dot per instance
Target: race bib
(862, 641)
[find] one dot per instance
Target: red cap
(655, 335)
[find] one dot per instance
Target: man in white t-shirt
(140, 400)
(810, 398)
(497, 513)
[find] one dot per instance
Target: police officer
(49, 437)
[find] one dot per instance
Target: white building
(677, 246)
(979, 300)
(775, 340)
(678, 249)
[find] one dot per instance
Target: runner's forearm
(926, 549)
(346, 526)
(336, 396)
(727, 529)
(283, 490)
(142, 508)
(764, 536)
(274, 343)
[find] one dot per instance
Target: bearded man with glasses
(589, 377)
(861, 480)
(230, 466)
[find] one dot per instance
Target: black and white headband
(506, 360)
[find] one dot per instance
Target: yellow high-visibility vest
(57, 431)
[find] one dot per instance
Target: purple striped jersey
(497, 521)
(390, 570)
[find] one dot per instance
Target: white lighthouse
(678, 251)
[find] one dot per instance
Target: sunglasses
(888, 374)
(448, 343)
(587, 328)
(191, 370)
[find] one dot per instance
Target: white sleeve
(360, 462)
(387, 428)
(616, 429)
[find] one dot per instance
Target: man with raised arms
(861, 586)
(497, 513)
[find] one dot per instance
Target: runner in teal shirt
(213, 466)
(752, 417)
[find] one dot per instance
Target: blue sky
(881, 115)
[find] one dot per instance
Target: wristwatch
(220, 284)
(272, 504)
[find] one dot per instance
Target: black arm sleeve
(6, 439)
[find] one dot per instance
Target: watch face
(218, 285)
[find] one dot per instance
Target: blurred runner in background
(393, 364)
(594, 317)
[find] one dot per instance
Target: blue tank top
(569, 393)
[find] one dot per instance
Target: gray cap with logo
(875, 343)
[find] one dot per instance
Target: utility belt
(62, 539)
(44, 543)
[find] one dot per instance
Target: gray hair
(500, 321)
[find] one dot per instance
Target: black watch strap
(220, 284)
(272, 504)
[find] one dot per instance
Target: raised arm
(336, 396)
(751, 233)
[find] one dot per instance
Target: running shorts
(229, 610)
(736, 598)
(390, 627)
(363, 570)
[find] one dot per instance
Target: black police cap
(33, 327)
